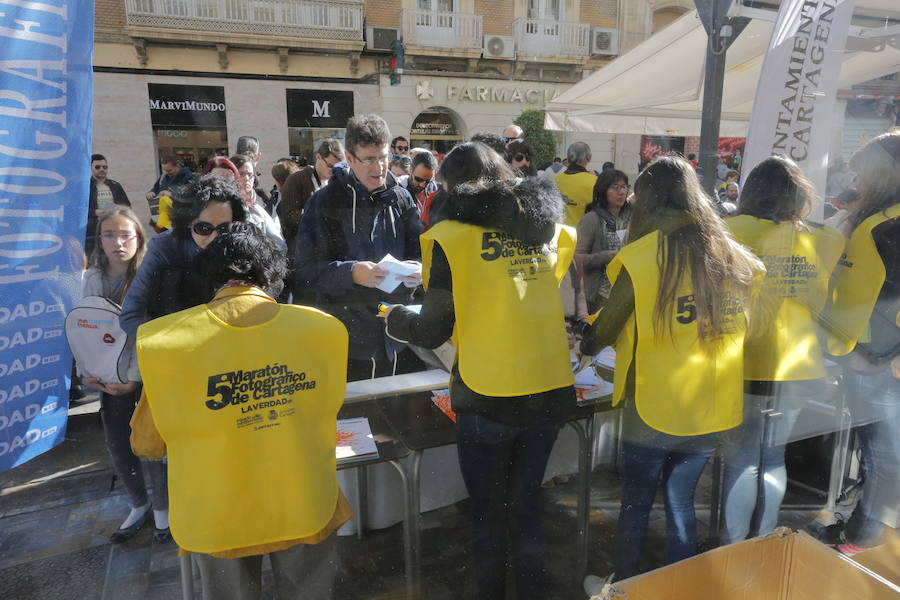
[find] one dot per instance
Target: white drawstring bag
(97, 341)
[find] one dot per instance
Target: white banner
(793, 112)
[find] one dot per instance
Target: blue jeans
(676, 460)
(503, 466)
(755, 474)
(875, 400)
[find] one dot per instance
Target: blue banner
(46, 52)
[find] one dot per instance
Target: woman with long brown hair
(783, 366)
(677, 316)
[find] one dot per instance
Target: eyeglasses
(421, 179)
(401, 148)
(509, 139)
(203, 228)
(620, 186)
(520, 158)
(371, 162)
(121, 236)
(99, 167)
(250, 175)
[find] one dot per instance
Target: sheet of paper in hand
(395, 269)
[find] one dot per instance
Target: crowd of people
(248, 312)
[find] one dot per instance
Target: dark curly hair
(197, 196)
(243, 252)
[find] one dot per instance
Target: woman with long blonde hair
(677, 317)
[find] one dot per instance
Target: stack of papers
(395, 269)
(354, 441)
(589, 386)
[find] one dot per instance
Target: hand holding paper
(397, 272)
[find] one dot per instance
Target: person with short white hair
(576, 183)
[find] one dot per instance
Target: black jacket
(344, 223)
(119, 197)
(529, 211)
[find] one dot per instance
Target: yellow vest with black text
(510, 329)
(577, 190)
(680, 388)
(799, 261)
(248, 415)
(857, 284)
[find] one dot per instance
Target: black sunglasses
(520, 157)
(401, 148)
(204, 229)
(421, 179)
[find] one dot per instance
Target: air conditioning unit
(605, 42)
(499, 46)
(381, 38)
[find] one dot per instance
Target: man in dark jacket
(299, 187)
(105, 193)
(347, 227)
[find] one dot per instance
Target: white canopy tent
(657, 87)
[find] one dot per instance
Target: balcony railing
(336, 20)
(543, 37)
(438, 29)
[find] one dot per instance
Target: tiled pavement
(56, 514)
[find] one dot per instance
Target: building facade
(188, 77)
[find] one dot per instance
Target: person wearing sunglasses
(165, 282)
(421, 182)
(105, 194)
(520, 155)
(399, 146)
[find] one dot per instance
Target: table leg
(362, 500)
(415, 512)
(187, 577)
(715, 498)
(585, 454)
(408, 550)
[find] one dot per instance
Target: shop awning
(657, 87)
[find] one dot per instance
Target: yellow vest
(248, 415)
(577, 190)
(680, 388)
(510, 330)
(857, 283)
(799, 261)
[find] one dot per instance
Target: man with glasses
(300, 186)
(105, 193)
(513, 133)
(348, 226)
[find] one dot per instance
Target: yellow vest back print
(681, 387)
(799, 261)
(510, 328)
(248, 416)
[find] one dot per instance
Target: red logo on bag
(108, 339)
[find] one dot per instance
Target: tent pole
(713, 15)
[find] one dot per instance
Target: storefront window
(194, 148)
(437, 129)
(303, 141)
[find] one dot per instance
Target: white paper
(622, 233)
(395, 269)
(606, 358)
(354, 439)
